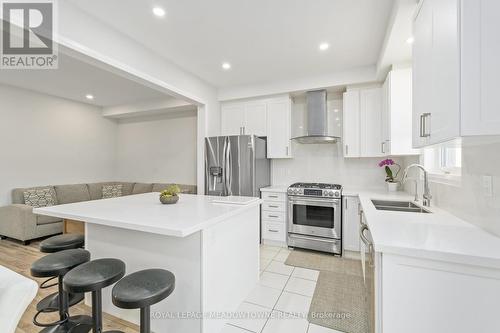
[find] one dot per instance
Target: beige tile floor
(280, 301)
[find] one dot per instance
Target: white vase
(392, 187)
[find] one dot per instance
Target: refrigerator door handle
(227, 166)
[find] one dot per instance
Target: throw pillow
(111, 191)
(40, 197)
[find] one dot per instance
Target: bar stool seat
(93, 276)
(58, 265)
(62, 242)
(142, 289)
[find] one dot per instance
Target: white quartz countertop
(439, 235)
(144, 212)
(275, 188)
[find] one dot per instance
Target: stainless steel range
(315, 217)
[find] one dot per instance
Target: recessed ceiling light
(410, 40)
(89, 96)
(158, 11)
(324, 46)
(226, 66)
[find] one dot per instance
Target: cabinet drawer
(273, 206)
(273, 231)
(273, 216)
(274, 196)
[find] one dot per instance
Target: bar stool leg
(97, 311)
(146, 320)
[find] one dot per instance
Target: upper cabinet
(362, 120)
(455, 68)
(397, 113)
(270, 117)
(244, 118)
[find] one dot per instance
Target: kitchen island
(211, 244)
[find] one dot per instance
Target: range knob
(337, 194)
(290, 191)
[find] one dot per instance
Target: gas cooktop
(315, 190)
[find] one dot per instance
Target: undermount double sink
(399, 206)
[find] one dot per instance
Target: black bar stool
(56, 244)
(142, 289)
(58, 265)
(93, 276)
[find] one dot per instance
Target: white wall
(468, 201)
(49, 140)
(158, 149)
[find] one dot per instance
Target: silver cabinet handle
(423, 125)
(383, 147)
(287, 151)
(272, 230)
(273, 196)
(347, 149)
(274, 216)
(274, 206)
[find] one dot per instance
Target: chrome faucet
(427, 193)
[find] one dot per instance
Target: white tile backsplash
(468, 201)
(325, 163)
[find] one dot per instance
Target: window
(444, 161)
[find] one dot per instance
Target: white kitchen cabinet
(371, 122)
(351, 124)
(421, 295)
(397, 113)
(256, 118)
(273, 217)
(350, 223)
(455, 69)
(480, 67)
(270, 117)
(244, 118)
(279, 128)
(232, 119)
(362, 132)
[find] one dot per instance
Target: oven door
(315, 217)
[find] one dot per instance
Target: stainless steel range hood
(317, 120)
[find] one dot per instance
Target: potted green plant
(391, 177)
(170, 195)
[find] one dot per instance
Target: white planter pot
(392, 187)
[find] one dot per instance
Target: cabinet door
(350, 224)
(255, 119)
(443, 123)
(370, 107)
(279, 129)
(422, 71)
(400, 117)
(232, 119)
(351, 134)
(480, 67)
(386, 115)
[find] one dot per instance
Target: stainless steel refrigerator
(236, 165)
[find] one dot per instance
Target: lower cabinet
(422, 295)
(273, 218)
(350, 223)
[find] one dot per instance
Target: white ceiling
(264, 40)
(75, 78)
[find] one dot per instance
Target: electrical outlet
(488, 186)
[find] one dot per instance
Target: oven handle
(371, 249)
(316, 239)
(315, 202)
